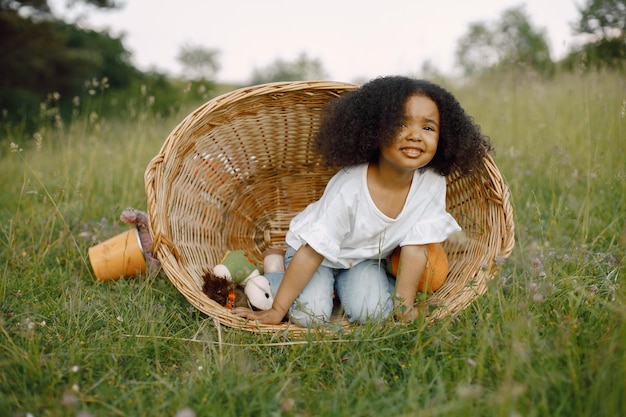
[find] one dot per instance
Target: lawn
(547, 339)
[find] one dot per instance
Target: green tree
(476, 50)
(512, 42)
(604, 19)
(33, 6)
(199, 63)
(604, 24)
(42, 9)
(303, 68)
(43, 56)
(41, 6)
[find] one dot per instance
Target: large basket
(234, 173)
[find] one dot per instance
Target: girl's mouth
(412, 152)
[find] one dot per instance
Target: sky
(354, 39)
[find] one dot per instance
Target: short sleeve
(324, 224)
(434, 224)
(431, 230)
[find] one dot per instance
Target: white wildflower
(185, 412)
(38, 139)
(15, 147)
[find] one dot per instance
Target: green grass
(547, 339)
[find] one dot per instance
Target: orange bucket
(120, 256)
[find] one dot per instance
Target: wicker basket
(236, 171)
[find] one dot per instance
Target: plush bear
(139, 219)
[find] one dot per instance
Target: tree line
(514, 43)
(43, 54)
(46, 59)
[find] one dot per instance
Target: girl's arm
(298, 274)
(412, 265)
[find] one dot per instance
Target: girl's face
(416, 142)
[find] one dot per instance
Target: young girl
(394, 138)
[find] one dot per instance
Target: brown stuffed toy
(233, 289)
(224, 292)
(140, 220)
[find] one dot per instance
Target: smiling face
(416, 142)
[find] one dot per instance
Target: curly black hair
(356, 124)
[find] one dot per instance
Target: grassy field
(547, 339)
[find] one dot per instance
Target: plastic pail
(120, 256)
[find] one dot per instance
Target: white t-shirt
(346, 227)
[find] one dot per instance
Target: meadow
(547, 339)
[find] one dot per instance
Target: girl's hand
(298, 274)
(407, 314)
(270, 316)
(411, 267)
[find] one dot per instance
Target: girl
(394, 138)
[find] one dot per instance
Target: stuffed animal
(235, 282)
(242, 269)
(224, 292)
(140, 220)
(435, 272)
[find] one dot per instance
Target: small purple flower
(499, 260)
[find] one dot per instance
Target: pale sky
(354, 39)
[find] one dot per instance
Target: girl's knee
(314, 305)
(306, 315)
(365, 293)
(368, 311)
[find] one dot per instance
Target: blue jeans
(365, 292)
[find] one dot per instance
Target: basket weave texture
(235, 172)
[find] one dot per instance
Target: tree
(35, 6)
(476, 51)
(522, 43)
(41, 8)
(509, 43)
(303, 68)
(198, 62)
(604, 23)
(605, 19)
(43, 55)
(52, 56)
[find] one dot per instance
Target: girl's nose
(414, 135)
